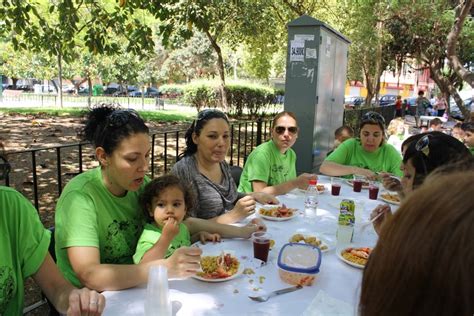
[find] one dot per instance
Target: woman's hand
(85, 302)
(205, 236)
(244, 207)
(184, 262)
(391, 183)
(302, 180)
(264, 198)
(369, 174)
(386, 213)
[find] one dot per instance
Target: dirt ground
(20, 132)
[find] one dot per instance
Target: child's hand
(255, 225)
(205, 236)
(171, 228)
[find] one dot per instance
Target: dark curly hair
(156, 186)
(107, 125)
(198, 124)
(432, 150)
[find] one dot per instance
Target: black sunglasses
(119, 118)
(281, 129)
(4, 168)
(373, 117)
(423, 145)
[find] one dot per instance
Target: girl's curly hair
(156, 186)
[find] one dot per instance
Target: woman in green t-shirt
(365, 155)
(24, 246)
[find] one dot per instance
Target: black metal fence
(52, 167)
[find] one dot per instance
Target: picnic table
(337, 285)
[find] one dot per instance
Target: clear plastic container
(298, 264)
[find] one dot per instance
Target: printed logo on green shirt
(7, 285)
(121, 241)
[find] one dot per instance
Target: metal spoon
(264, 298)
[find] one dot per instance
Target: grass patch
(157, 116)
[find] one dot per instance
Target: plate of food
(220, 268)
(277, 212)
(311, 240)
(365, 184)
(321, 189)
(392, 198)
(355, 256)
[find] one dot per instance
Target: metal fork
(264, 298)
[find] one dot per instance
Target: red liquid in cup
(357, 185)
(261, 247)
(335, 189)
(373, 192)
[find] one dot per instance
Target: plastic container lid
(313, 182)
(300, 258)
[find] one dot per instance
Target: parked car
(110, 90)
(387, 99)
(121, 92)
(351, 102)
(149, 93)
(454, 110)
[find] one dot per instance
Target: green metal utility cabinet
(316, 67)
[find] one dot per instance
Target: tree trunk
(378, 61)
(89, 97)
(448, 88)
(220, 68)
(60, 80)
(462, 10)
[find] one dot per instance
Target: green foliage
(172, 90)
(250, 97)
(242, 98)
(201, 95)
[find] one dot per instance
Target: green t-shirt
(24, 245)
(472, 150)
(350, 153)
(152, 233)
(265, 163)
(88, 215)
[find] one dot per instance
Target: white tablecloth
(337, 279)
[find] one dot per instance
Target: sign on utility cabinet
(316, 67)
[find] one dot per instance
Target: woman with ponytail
(203, 166)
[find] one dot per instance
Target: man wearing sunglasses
(271, 167)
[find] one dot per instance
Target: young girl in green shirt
(164, 202)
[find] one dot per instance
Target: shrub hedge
(242, 98)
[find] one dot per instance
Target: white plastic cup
(157, 293)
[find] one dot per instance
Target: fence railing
(50, 100)
(50, 168)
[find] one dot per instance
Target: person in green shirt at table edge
(366, 155)
(271, 167)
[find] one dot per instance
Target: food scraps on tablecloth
(248, 271)
(357, 255)
(219, 267)
(310, 240)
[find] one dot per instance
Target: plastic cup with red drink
(261, 245)
(357, 183)
(373, 190)
(335, 186)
